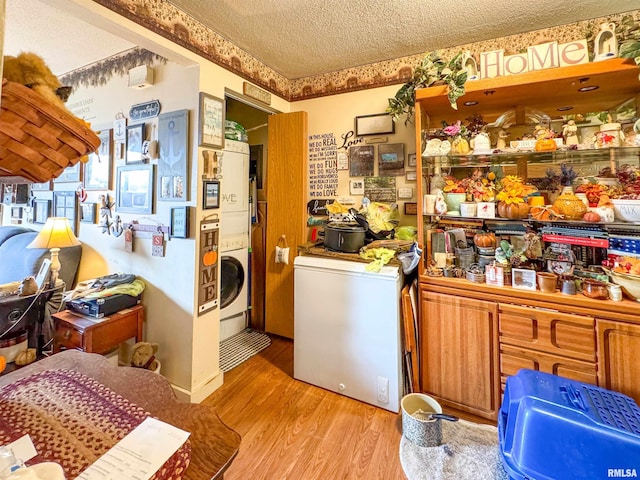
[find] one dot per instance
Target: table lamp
(55, 234)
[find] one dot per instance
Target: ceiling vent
(141, 77)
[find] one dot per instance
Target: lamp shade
(56, 233)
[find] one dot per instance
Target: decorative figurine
(605, 45)
(570, 133)
(501, 144)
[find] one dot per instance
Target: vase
(453, 201)
(570, 206)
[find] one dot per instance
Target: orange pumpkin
(591, 217)
(210, 258)
(544, 212)
(3, 363)
(513, 211)
(485, 239)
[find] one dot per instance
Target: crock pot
(344, 237)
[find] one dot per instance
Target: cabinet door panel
(458, 338)
(513, 359)
(619, 357)
(548, 331)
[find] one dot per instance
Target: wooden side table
(97, 335)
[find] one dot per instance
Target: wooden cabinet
(546, 340)
(459, 353)
(619, 356)
(97, 335)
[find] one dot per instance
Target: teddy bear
(143, 355)
(31, 70)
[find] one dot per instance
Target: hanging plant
(433, 70)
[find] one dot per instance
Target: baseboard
(202, 391)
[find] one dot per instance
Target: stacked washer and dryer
(234, 240)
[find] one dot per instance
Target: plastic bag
(406, 232)
(381, 216)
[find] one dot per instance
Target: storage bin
(550, 427)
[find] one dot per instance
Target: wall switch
(383, 390)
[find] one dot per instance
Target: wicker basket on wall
(38, 140)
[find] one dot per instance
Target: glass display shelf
(579, 157)
(435, 217)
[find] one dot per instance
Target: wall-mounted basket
(38, 140)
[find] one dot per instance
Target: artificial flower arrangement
(511, 197)
(478, 186)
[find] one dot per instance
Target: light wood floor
(293, 430)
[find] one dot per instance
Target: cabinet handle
(67, 334)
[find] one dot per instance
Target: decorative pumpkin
(3, 363)
(210, 258)
(544, 212)
(570, 206)
(591, 217)
(26, 357)
(513, 211)
(485, 239)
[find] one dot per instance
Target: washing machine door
(233, 276)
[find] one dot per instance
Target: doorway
(253, 119)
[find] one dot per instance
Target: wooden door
(619, 357)
(286, 194)
(459, 353)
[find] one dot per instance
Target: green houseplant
(433, 70)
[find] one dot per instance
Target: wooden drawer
(68, 338)
(513, 359)
(548, 331)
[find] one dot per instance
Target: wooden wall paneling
(286, 201)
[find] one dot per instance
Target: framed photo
(342, 159)
(65, 204)
(180, 222)
(173, 138)
(411, 160)
(70, 174)
(134, 189)
(391, 159)
(523, 278)
(16, 212)
(410, 208)
(135, 139)
(377, 124)
(97, 170)
(7, 194)
(356, 187)
(411, 176)
(211, 121)
(41, 187)
(22, 193)
(361, 161)
(210, 194)
(41, 210)
(405, 193)
(88, 212)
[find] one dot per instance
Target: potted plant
(433, 70)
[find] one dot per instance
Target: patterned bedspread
(72, 420)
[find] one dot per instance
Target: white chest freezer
(347, 329)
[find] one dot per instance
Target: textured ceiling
(301, 38)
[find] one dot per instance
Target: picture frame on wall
(65, 204)
(88, 212)
(70, 174)
(134, 189)
(97, 171)
(180, 222)
(361, 161)
(135, 139)
(376, 124)
(211, 121)
(41, 210)
(22, 193)
(173, 140)
(210, 194)
(411, 160)
(391, 159)
(41, 187)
